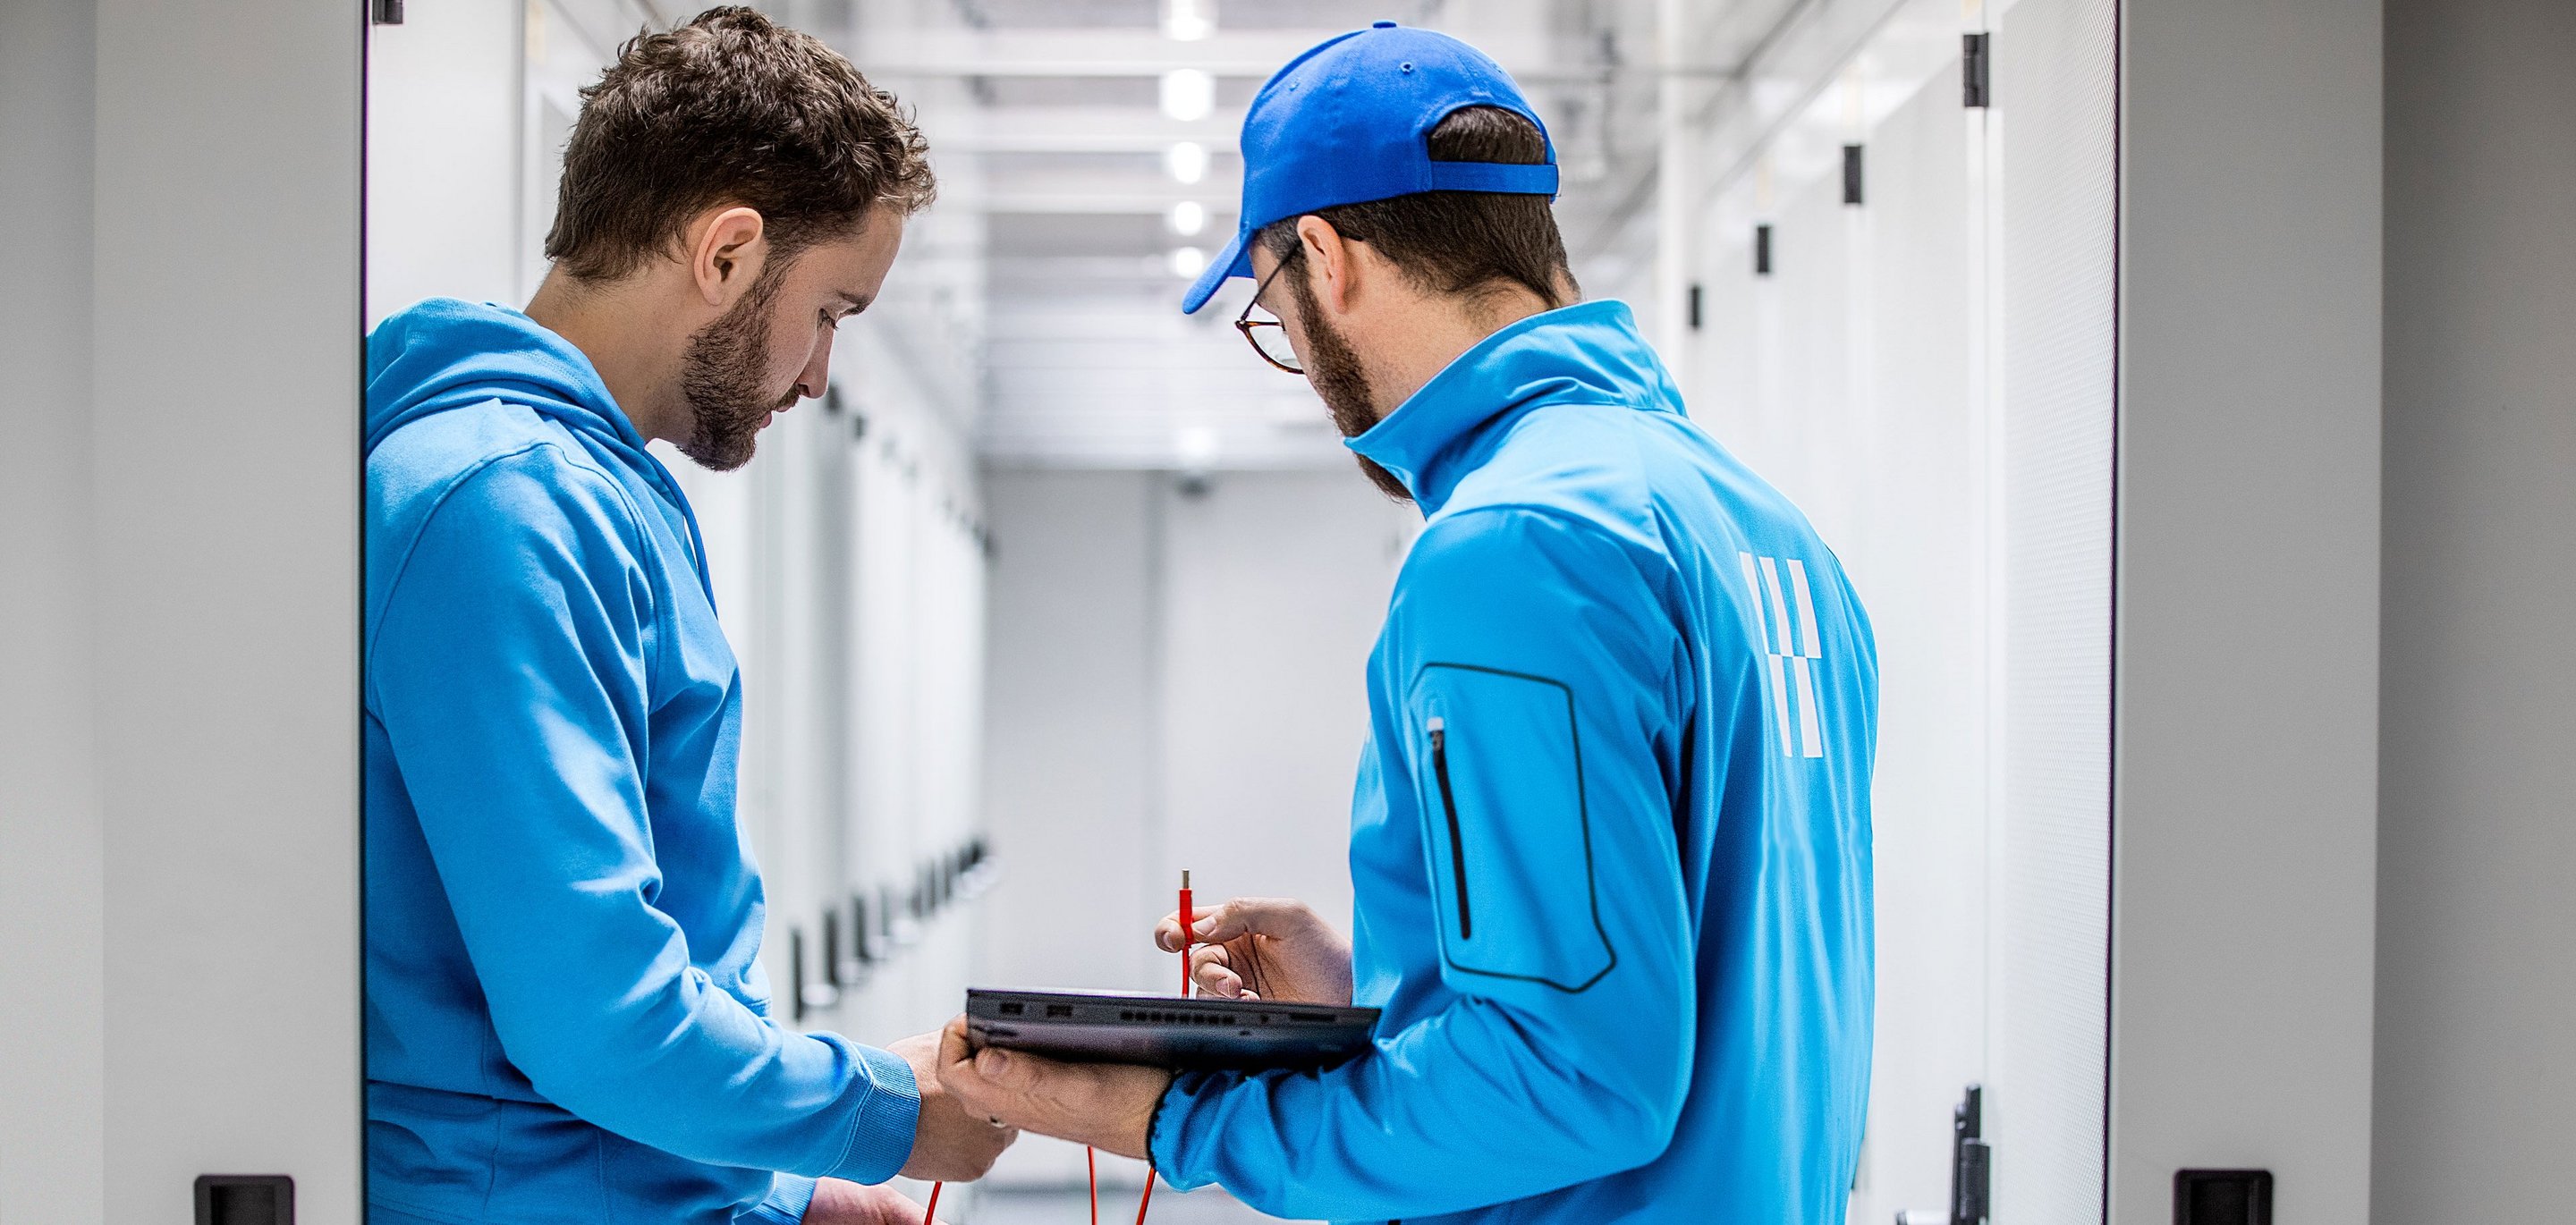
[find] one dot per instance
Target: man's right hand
(1264, 948)
(948, 1144)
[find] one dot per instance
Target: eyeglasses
(1268, 337)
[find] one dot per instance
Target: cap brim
(1231, 262)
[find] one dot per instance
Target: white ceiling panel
(1047, 121)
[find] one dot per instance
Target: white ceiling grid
(1063, 140)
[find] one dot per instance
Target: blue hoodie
(1610, 850)
(566, 1016)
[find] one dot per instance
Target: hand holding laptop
(1108, 1106)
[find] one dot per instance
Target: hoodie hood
(445, 353)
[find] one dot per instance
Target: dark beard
(1334, 370)
(720, 378)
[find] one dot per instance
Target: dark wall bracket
(1975, 63)
(245, 1199)
(1971, 1161)
(2222, 1197)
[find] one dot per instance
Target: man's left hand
(1109, 1106)
(837, 1202)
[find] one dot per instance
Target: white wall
(1069, 792)
(1178, 680)
(1275, 586)
(52, 933)
(2248, 653)
(2476, 1098)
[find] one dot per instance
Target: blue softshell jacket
(1610, 849)
(566, 1016)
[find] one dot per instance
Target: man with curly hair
(566, 1016)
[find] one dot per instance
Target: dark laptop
(1168, 1031)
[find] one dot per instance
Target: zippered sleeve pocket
(1498, 766)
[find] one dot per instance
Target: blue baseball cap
(1350, 121)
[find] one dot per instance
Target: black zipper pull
(1439, 730)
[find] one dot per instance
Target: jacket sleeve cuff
(889, 1111)
(1166, 1142)
(789, 1196)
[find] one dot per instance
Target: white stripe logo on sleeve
(1784, 613)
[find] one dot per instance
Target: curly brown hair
(731, 108)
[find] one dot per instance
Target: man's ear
(1330, 266)
(728, 253)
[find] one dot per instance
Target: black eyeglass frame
(1244, 322)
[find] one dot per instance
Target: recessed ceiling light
(1195, 446)
(1188, 218)
(1188, 161)
(1188, 94)
(1188, 262)
(1188, 21)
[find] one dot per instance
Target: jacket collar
(1586, 353)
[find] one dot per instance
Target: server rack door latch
(245, 1199)
(2222, 1197)
(1762, 250)
(1851, 174)
(1974, 57)
(385, 12)
(1971, 1161)
(862, 945)
(832, 949)
(796, 975)
(1694, 306)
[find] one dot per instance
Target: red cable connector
(1189, 918)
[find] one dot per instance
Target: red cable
(1091, 1164)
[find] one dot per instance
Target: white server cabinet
(178, 828)
(2130, 385)
(2245, 792)
(1848, 352)
(2054, 173)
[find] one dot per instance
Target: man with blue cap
(1610, 847)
